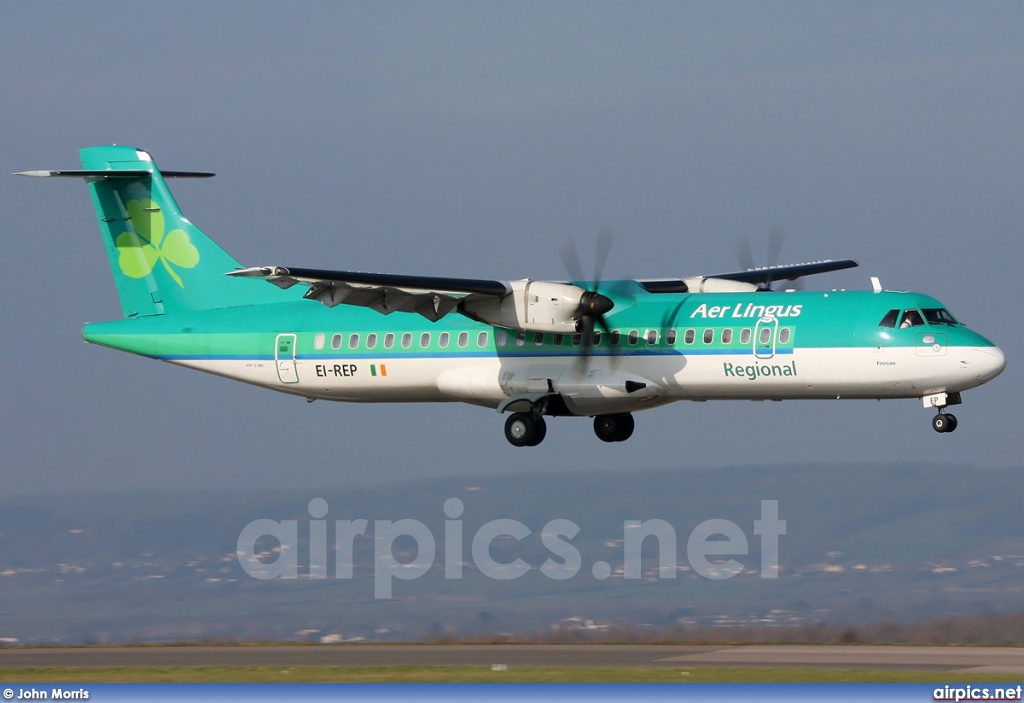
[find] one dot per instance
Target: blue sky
(472, 139)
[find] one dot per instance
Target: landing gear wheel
(943, 422)
(626, 427)
(542, 431)
(614, 428)
(525, 430)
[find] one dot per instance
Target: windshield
(939, 316)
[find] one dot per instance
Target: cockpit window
(890, 319)
(939, 316)
(911, 318)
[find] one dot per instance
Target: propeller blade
(744, 256)
(593, 306)
(586, 330)
(776, 237)
(571, 260)
(604, 245)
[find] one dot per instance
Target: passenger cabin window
(389, 340)
(406, 340)
(520, 338)
(634, 337)
(336, 342)
(727, 336)
(538, 338)
(765, 336)
(745, 336)
(353, 341)
(784, 334)
(652, 336)
(502, 338)
(425, 340)
(670, 337)
(709, 336)
(577, 339)
(689, 336)
(595, 338)
(464, 339)
(558, 339)
(481, 339)
(911, 318)
(443, 340)
(939, 316)
(614, 337)
(371, 341)
(318, 341)
(890, 319)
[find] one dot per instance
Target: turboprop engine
(542, 306)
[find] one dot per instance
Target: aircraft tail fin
(161, 262)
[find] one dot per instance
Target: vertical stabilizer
(161, 262)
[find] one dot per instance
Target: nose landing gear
(944, 422)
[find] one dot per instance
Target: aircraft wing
(431, 296)
(789, 272)
(757, 276)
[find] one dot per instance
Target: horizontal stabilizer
(121, 173)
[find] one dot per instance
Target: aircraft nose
(987, 362)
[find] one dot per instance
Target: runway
(953, 659)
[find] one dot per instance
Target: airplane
(534, 349)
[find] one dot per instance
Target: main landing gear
(525, 429)
(614, 428)
(528, 429)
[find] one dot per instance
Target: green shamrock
(141, 249)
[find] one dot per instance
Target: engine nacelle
(536, 306)
(718, 285)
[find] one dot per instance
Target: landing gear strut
(614, 428)
(525, 429)
(944, 422)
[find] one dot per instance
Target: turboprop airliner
(534, 349)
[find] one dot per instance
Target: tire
(951, 421)
(616, 427)
(521, 430)
(626, 425)
(941, 423)
(541, 431)
(606, 427)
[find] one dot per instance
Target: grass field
(473, 674)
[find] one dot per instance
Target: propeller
(593, 306)
(776, 238)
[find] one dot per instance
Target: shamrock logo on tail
(141, 249)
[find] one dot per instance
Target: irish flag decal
(381, 370)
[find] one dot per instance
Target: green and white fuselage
(324, 335)
(821, 345)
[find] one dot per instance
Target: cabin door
(764, 337)
(284, 355)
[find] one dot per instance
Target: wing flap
(433, 297)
